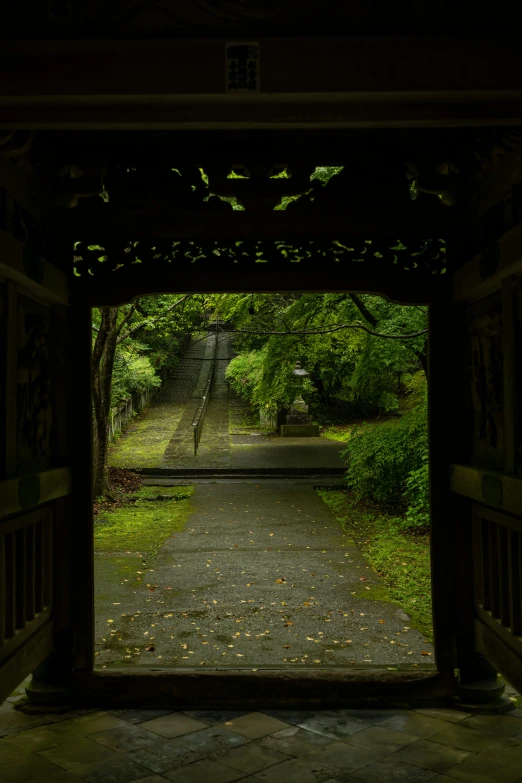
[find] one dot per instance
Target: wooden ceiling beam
(124, 285)
(339, 82)
(367, 223)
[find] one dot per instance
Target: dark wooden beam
(126, 283)
(305, 82)
(366, 223)
(243, 689)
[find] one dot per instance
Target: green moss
(342, 432)
(144, 442)
(401, 559)
(152, 492)
(142, 526)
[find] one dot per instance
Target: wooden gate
(487, 474)
(35, 476)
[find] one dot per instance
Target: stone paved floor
(334, 746)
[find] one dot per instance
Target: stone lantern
(298, 422)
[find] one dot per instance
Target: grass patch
(342, 432)
(402, 560)
(143, 523)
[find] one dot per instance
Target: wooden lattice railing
(498, 571)
(25, 577)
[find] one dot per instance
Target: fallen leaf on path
(150, 648)
(425, 653)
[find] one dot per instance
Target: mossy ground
(145, 440)
(144, 522)
(401, 559)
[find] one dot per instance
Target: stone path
(262, 575)
(163, 436)
(335, 746)
(214, 448)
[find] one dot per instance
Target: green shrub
(417, 493)
(132, 373)
(382, 458)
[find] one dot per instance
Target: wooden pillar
(81, 519)
(443, 560)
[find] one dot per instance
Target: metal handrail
(199, 418)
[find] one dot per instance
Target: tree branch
(335, 329)
(364, 310)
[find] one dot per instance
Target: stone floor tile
(126, 738)
(484, 770)
(431, 755)
(447, 714)
(495, 725)
(205, 771)
(153, 779)
(173, 725)
(415, 724)
(381, 740)
(12, 721)
(463, 738)
(508, 751)
(41, 738)
(255, 725)
(251, 758)
(34, 769)
(290, 716)
(115, 770)
(334, 724)
(9, 752)
(297, 771)
(209, 741)
(341, 755)
(92, 723)
(138, 716)
(76, 753)
(341, 777)
(295, 741)
(375, 717)
(215, 717)
(163, 756)
(393, 769)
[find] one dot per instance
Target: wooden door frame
(269, 687)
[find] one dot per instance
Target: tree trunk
(102, 366)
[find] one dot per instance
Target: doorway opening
(266, 503)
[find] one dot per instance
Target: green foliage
(361, 370)
(132, 373)
(382, 458)
(264, 378)
(417, 493)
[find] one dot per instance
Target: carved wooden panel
(34, 403)
(485, 330)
